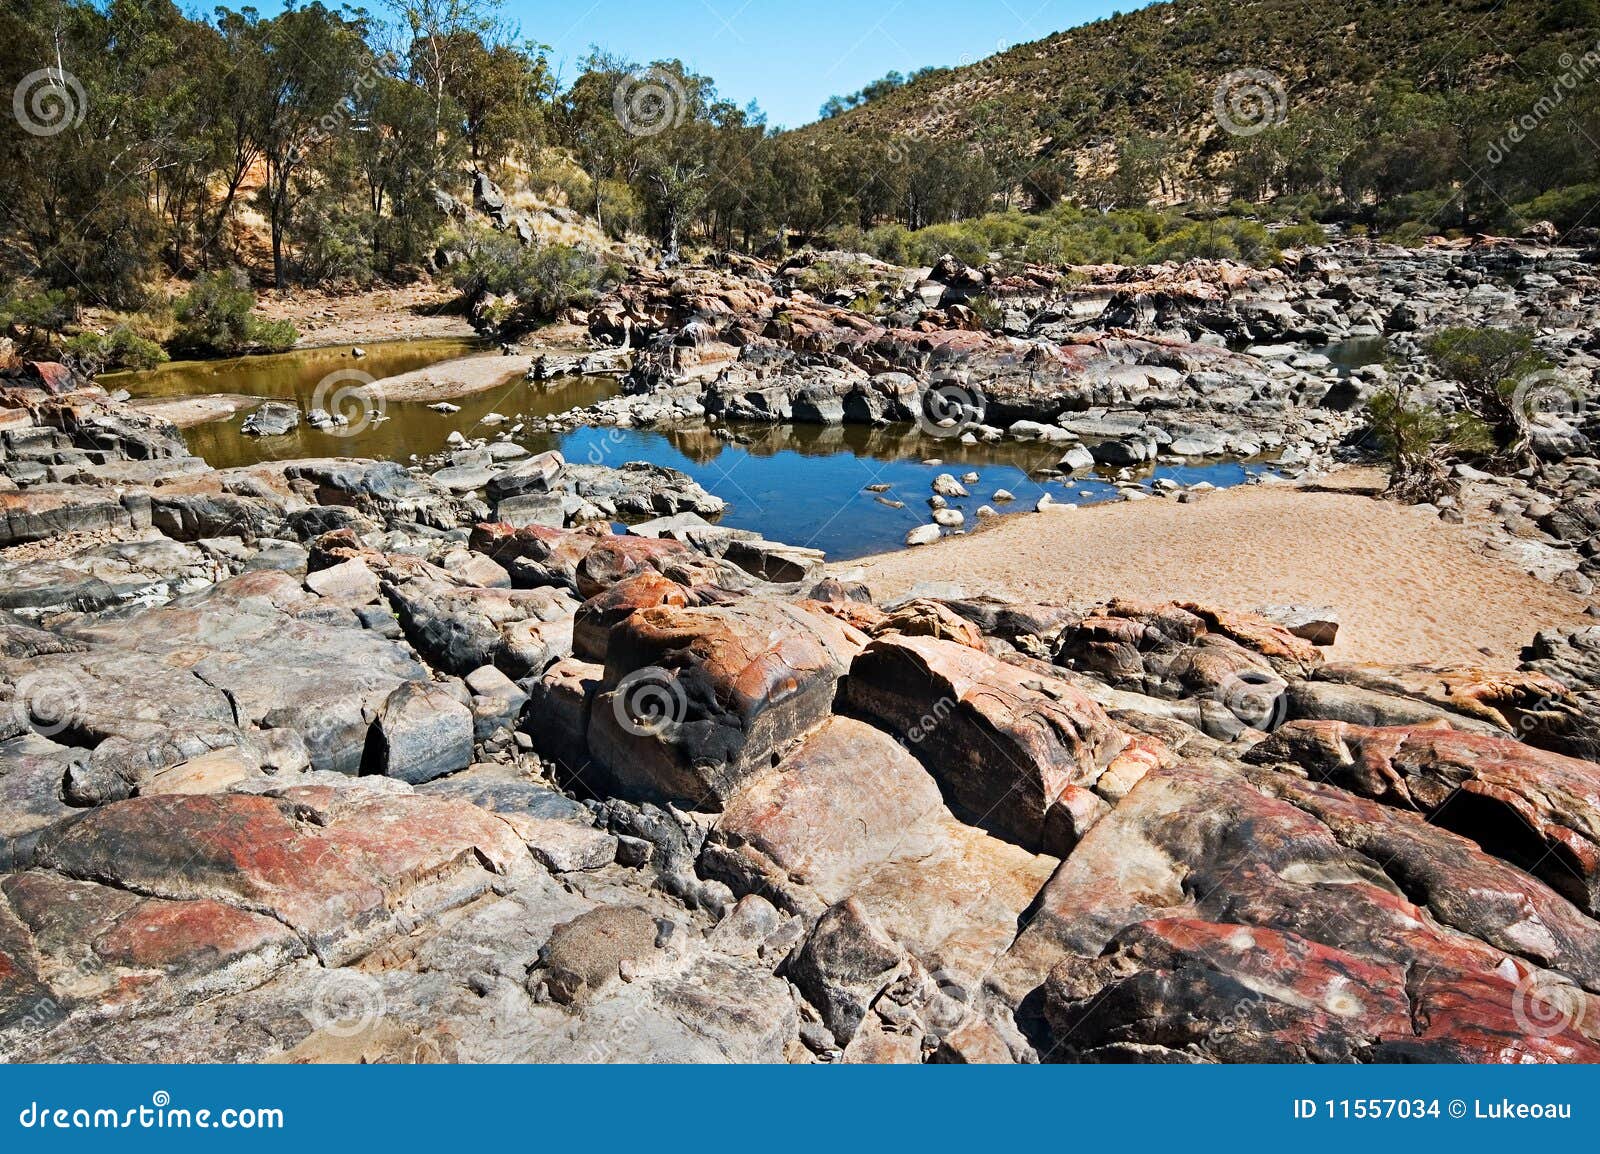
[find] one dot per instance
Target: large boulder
(458, 628)
(696, 700)
(1203, 920)
(1003, 743)
(535, 475)
(422, 732)
(851, 814)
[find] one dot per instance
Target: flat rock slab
(344, 869)
(33, 773)
(92, 945)
(48, 511)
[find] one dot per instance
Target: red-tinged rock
(1512, 702)
(51, 376)
(615, 559)
(103, 946)
(927, 618)
(345, 869)
(697, 700)
(1515, 1015)
(1004, 744)
(851, 814)
(1193, 837)
(1183, 989)
(591, 628)
(1273, 641)
(1180, 651)
(812, 832)
(57, 511)
(27, 1006)
(855, 614)
(1205, 844)
(974, 1042)
(1456, 882)
(557, 715)
(1536, 809)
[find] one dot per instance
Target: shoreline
(1407, 587)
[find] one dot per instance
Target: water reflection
(805, 484)
(813, 485)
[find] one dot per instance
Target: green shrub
(1411, 234)
(118, 349)
(1564, 207)
(988, 311)
(825, 277)
(1306, 234)
(1489, 366)
(1419, 442)
(37, 313)
(217, 316)
(890, 242)
(537, 282)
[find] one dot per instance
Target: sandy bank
(1407, 586)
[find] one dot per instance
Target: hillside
(1156, 73)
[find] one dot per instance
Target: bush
(1565, 207)
(1306, 234)
(890, 242)
(1411, 234)
(535, 283)
(119, 349)
(217, 316)
(1488, 366)
(37, 313)
(1419, 443)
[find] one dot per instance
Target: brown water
(407, 428)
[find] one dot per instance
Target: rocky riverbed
(336, 759)
(312, 761)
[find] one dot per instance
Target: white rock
(923, 535)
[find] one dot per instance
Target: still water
(805, 485)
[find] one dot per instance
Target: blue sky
(793, 55)
(787, 55)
